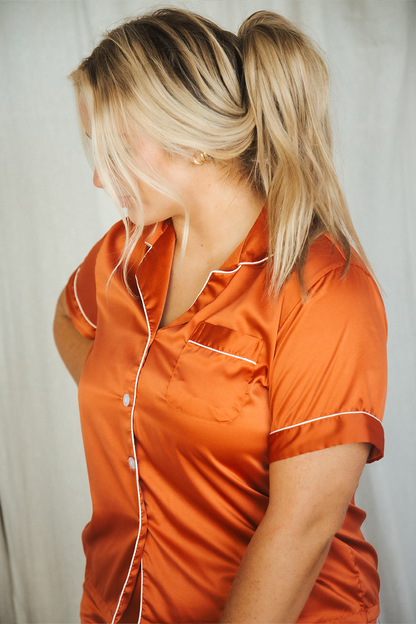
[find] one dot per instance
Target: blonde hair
(256, 102)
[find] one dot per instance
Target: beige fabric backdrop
(51, 215)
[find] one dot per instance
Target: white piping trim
(238, 357)
(306, 422)
(79, 303)
(147, 251)
(224, 273)
(137, 467)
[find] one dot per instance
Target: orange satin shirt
(180, 423)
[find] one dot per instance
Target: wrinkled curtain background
(51, 215)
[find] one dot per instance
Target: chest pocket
(212, 374)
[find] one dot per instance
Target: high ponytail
(287, 90)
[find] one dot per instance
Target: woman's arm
(72, 346)
(309, 496)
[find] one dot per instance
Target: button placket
(126, 403)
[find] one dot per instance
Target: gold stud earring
(199, 158)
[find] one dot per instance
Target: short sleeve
(81, 295)
(329, 375)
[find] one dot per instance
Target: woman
(231, 340)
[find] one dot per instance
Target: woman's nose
(96, 180)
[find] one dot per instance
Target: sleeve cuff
(327, 431)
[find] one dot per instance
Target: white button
(126, 400)
(132, 463)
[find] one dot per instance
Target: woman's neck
(221, 216)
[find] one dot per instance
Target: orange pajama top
(180, 423)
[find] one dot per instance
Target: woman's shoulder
(327, 256)
(332, 283)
